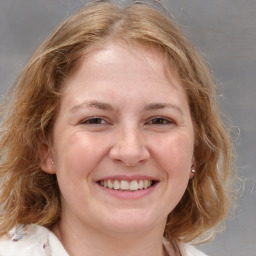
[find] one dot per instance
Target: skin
(119, 117)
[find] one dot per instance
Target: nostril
(129, 155)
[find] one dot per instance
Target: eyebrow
(156, 106)
(94, 104)
(109, 107)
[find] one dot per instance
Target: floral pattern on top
(28, 240)
(17, 233)
(24, 240)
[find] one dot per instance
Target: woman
(112, 143)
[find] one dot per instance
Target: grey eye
(160, 121)
(94, 120)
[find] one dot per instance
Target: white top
(35, 240)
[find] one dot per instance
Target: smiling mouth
(124, 185)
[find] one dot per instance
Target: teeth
(110, 184)
(134, 185)
(126, 185)
(116, 184)
(141, 184)
(145, 184)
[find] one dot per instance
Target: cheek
(175, 154)
(78, 155)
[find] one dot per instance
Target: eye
(94, 121)
(160, 121)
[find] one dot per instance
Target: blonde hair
(29, 195)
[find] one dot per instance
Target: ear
(46, 157)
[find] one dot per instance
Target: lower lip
(128, 194)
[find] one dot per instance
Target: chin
(130, 221)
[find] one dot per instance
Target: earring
(52, 163)
(193, 171)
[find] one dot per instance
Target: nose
(129, 148)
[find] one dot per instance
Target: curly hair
(29, 195)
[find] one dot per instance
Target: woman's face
(122, 142)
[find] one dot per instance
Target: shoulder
(182, 248)
(30, 240)
(189, 250)
(24, 240)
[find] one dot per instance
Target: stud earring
(52, 163)
(193, 171)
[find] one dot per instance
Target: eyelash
(101, 121)
(91, 121)
(164, 121)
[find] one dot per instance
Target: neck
(87, 242)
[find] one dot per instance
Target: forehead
(101, 57)
(122, 69)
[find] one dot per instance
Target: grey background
(225, 33)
